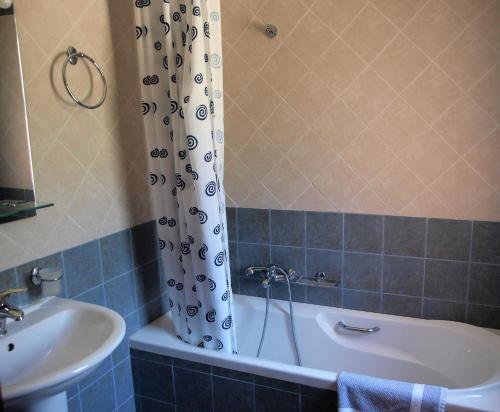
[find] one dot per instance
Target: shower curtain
(180, 54)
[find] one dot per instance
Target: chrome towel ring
(72, 58)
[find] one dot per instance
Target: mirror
(17, 194)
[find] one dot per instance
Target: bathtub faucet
(271, 273)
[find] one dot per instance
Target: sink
(59, 342)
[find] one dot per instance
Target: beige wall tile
(339, 184)
(237, 74)
(260, 198)
(259, 155)
(283, 71)
(310, 38)
(258, 100)
(368, 95)
(283, 13)
(399, 12)
(338, 125)
(367, 199)
(239, 181)
(337, 14)
(468, 58)
(427, 204)
(367, 155)
(238, 129)
(461, 189)
(339, 66)
(310, 97)
(487, 24)
(400, 63)
(398, 125)
(369, 33)
(464, 125)
(396, 186)
(484, 158)
(254, 46)
(428, 156)
(434, 27)
(235, 18)
(314, 201)
(311, 155)
(468, 9)
(284, 127)
(486, 93)
(431, 93)
(285, 182)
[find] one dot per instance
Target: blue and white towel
(360, 393)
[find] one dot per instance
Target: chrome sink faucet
(8, 311)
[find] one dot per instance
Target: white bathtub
(464, 358)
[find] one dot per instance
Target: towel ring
(72, 58)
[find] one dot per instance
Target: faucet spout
(8, 311)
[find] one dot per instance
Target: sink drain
(10, 347)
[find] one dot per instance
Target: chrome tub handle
(342, 325)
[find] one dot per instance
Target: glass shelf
(16, 208)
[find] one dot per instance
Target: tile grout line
(426, 246)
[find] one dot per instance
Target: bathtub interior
(433, 352)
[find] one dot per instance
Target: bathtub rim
(151, 338)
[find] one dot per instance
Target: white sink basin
(59, 342)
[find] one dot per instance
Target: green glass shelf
(16, 208)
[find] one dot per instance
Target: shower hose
(292, 321)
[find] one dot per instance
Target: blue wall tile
(444, 310)
(327, 261)
(74, 404)
(484, 286)
(486, 242)
(287, 257)
(484, 316)
(448, 239)
(363, 233)
(360, 300)
(124, 385)
(120, 294)
(253, 225)
(288, 228)
(403, 275)
(230, 395)
(100, 396)
(324, 230)
(362, 271)
(232, 227)
(193, 390)
(252, 255)
(154, 380)
(404, 236)
(94, 296)
(446, 279)
(116, 254)
(144, 243)
(402, 305)
(269, 400)
(82, 268)
(147, 283)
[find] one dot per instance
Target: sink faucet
(9, 311)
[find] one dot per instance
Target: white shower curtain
(180, 53)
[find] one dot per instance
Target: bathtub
(464, 358)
